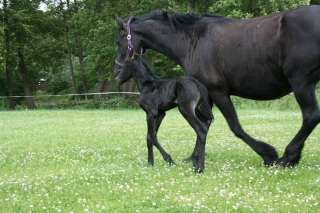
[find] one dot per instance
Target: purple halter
(129, 37)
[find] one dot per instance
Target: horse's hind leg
(306, 98)
(188, 112)
(266, 151)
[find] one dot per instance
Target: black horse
(157, 96)
(259, 58)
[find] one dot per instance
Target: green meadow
(96, 161)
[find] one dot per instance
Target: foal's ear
(165, 14)
(149, 86)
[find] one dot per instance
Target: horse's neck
(173, 45)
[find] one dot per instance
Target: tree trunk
(7, 69)
(81, 57)
(71, 69)
(73, 79)
(26, 81)
(101, 81)
(192, 6)
(81, 66)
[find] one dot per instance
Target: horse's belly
(267, 88)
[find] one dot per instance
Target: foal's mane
(143, 64)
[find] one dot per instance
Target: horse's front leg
(306, 97)
(266, 151)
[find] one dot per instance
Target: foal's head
(129, 68)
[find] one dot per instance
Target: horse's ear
(133, 19)
(119, 21)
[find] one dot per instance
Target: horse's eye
(122, 33)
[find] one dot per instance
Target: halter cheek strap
(129, 37)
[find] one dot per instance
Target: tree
(72, 42)
(6, 48)
(250, 8)
(315, 2)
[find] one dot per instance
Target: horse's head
(136, 34)
(129, 43)
(158, 30)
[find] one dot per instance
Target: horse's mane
(178, 20)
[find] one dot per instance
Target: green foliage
(315, 2)
(251, 8)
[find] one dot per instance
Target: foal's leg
(306, 98)
(266, 151)
(154, 122)
(188, 112)
(150, 137)
(164, 154)
(206, 122)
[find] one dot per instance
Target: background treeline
(68, 46)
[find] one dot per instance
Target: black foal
(157, 96)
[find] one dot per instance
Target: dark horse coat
(159, 95)
(260, 58)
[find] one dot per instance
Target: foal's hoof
(199, 170)
(189, 159)
(172, 163)
(169, 160)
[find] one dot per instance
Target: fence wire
(80, 100)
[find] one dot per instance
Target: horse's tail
(204, 106)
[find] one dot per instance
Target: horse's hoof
(285, 162)
(271, 157)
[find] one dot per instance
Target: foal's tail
(204, 107)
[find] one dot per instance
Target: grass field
(96, 161)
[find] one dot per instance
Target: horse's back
(300, 42)
(252, 55)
